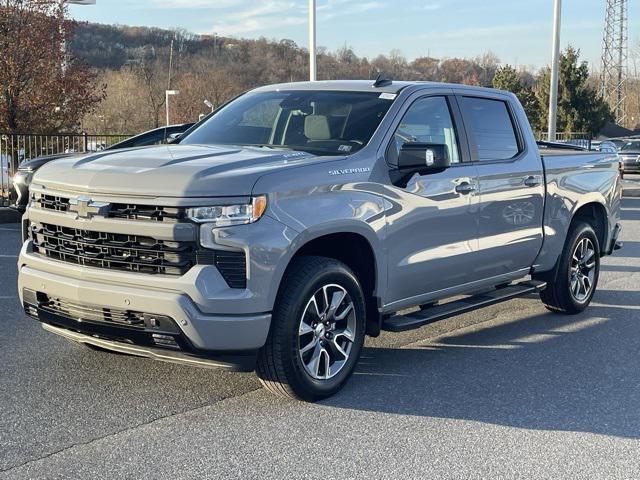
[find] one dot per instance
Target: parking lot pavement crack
(119, 432)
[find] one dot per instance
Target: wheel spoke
(336, 300)
(327, 363)
(582, 288)
(340, 350)
(315, 305)
(575, 286)
(588, 256)
(309, 346)
(325, 295)
(346, 333)
(344, 312)
(314, 362)
(305, 328)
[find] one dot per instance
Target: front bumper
(239, 362)
(203, 338)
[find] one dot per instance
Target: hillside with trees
(115, 76)
(134, 66)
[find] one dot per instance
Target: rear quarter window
(491, 128)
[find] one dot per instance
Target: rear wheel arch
(595, 214)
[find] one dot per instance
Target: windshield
(631, 146)
(318, 122)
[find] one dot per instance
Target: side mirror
(423, 158)
(174, 137)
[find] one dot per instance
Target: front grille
(116, 210)
(85, 312)
(114, 251)
(130, 252)
(146, 212)
(51, 202)
(134, 253)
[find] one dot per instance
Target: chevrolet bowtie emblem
(84, 207)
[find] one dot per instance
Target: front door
(432, 220)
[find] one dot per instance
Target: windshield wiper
(311, 150)
(269, 145)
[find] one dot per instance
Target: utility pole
(312, 40)
(555, 67)
(614, 58)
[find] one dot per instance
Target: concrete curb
(9, 215)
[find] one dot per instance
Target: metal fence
(16, 148)
(580, 139)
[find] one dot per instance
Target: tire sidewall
(300, 380)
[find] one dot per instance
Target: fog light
(166, 341)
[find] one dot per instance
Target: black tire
(280, 365)
(558, 296)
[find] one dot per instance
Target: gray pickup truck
(301, 217)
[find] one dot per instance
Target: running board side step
(402, 323)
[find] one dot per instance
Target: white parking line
(8, 256)
(10, 229)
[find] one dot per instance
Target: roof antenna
(382, 81)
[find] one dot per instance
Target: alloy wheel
(583, 269)
(326, 332)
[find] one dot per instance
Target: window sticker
(388, 96)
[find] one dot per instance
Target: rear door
(510, 184)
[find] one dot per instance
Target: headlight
(228, 215)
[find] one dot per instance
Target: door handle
(532, 180)
(465, 188)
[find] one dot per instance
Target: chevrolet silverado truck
(301, 217)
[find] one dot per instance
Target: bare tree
(41, 87)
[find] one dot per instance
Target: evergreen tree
(506, 78)
(580, 107)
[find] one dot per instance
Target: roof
(365, 86)
(339, 85)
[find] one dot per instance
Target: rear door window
(491, 130)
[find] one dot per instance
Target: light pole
(63, 45)
(555, 67)
(312, 40)
(169, 93)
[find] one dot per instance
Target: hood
(170, 170)
(36, 163)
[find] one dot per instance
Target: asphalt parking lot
(511, 391)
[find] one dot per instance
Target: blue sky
(518, 31)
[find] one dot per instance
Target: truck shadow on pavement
(544, 372)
